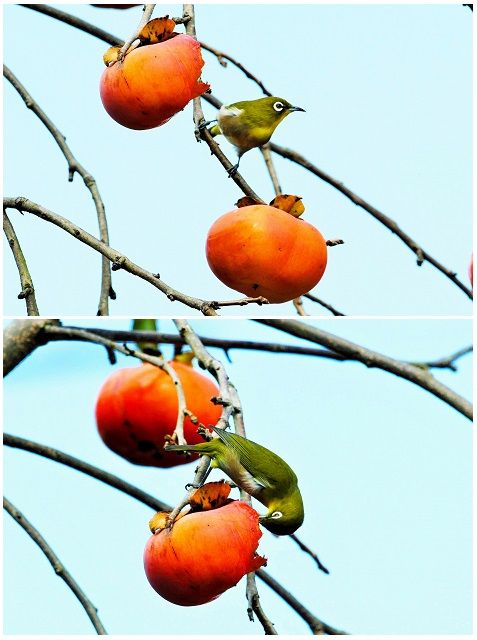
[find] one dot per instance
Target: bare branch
(222, 57)
(120, 261)
(300, 309)
(254, 606)
(150, 501)
(74, 333)
(311, 553)
(57, 565)
(74, 167)
(84, 467)
(267, 156)
(334, 311)
(447, 362)
(414, 374)
(20, 339)
(421, 254)
(28, 290)
(147, 12)
(318, 627)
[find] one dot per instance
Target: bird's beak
(296, 109)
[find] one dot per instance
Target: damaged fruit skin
(153, 82)
(262, 251)
(204, 554)
(137, 407)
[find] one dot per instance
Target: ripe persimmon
(137, 407)
(153, 82)
(260, 250)
(203, 554)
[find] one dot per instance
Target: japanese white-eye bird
(251, 123)
(259, 472)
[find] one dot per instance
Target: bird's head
(284, 516)
(273, 109)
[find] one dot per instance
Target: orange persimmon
(260, 250)
(153, 82)
(203, 554)
(137, 407)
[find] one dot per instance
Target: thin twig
(150, 501)
(447, 362)
(267, 156)
(147, 12)
(334, 311)
(412, 373)
(222, 57)
(75, 333)
(57, 565)
(311, 553)
(74, 167)
(28, 290)
(119, 260)
(300, 309)
(318, 627)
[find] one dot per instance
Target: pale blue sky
(387, 92)
(384, 468)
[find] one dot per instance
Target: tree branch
(74, 167)
(421, 254)
(28, 290)
(119, 260)
(414, 374)
(222, 57)
(57, 565)
(147, 12)
(150, 501)
(20, 339)
(313, 298)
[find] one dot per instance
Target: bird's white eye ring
(276, 515)
(278, 106)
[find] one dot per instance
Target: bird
(259, 472)
(250, 123)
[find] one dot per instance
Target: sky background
(384, 468)
(387, 92)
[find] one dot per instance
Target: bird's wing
(264, 465)
(230, 111)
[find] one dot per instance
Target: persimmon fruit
(203, 554)
(153, 82)
(137, 407)
(260, 250)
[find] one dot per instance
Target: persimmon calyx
(155, 31)
(285, 202)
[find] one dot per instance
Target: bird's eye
(277, 514)
(278, 106)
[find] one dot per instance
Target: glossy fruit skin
(262, 251)
(137, 407)
(153, 82)
(204, 554)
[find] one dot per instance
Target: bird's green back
(266, 467)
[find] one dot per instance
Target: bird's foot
(233, 170)
(204, 125)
